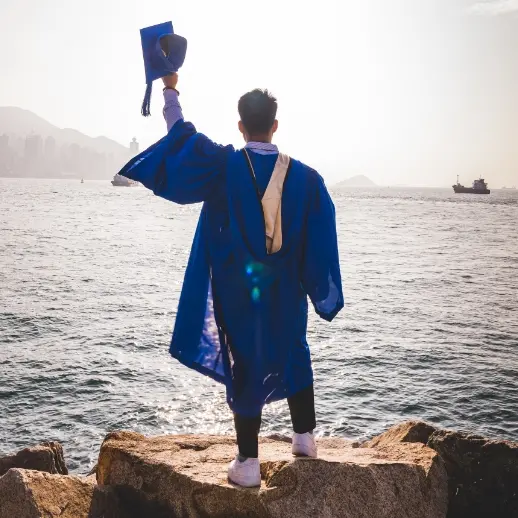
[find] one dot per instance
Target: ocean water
(90, 277)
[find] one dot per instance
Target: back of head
(257, 110)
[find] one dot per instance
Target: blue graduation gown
(242, 315)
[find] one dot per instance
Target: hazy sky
(405, 91)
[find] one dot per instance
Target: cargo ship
(479, 187)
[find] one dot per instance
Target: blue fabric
(242, 315)
(263, 168)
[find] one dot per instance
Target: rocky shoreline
(413, 470)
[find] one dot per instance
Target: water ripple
(91, 276)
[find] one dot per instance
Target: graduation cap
(164, 53)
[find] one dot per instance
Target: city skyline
(34, 154)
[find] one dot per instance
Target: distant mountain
(20, 122)
(359, 180)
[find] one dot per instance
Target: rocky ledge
(44, 457)
(412, 470)
(185, 476)
(34, 494)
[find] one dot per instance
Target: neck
(260, 138)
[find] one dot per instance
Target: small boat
(479, 187)
(82, 180)
(513, 188)
(122, 181)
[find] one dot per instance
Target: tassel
(147, 100)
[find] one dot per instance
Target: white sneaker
(245, 474)
(303, 445)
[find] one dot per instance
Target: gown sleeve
(184, 167)
(321, 278)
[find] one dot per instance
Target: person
(265, 241)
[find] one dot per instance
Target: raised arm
(185, 166)
(172, 109)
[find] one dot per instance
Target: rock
(185, 477)
(483, 475)
(411, 431)
(44, 457)
(35, 494)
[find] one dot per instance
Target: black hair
(257, 110)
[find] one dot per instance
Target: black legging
(302, 410)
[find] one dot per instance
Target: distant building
(4, 143)
(74, 151)
(50, 148)
(18, 145)
(134, 147)
(33, 147)
(6, 156)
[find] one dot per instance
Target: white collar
(262, 148)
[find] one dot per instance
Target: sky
(409, 92)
